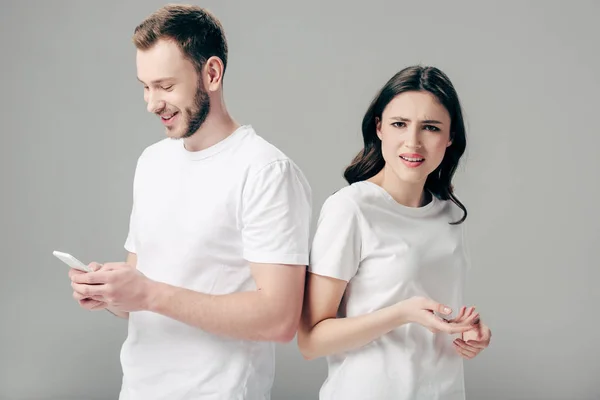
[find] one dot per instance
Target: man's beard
(197, 115)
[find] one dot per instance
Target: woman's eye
(398, 124)
(431, 128)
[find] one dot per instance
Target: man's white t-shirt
(198, 220)
(388, 253)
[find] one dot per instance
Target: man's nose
(155, 104)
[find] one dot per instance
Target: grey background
(303, 73)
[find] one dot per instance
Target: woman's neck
(410, 194)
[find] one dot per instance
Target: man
(219, 232)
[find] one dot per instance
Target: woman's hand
(474, 340)
(421, 310)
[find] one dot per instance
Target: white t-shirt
(389, 252)
(198, 220)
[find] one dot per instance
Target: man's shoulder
(260, 149)
(257, 152)
(159, 149)
(268, 167)
(159, 153)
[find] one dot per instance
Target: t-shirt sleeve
(276, 213)
(130, 241)
(336, 247)
(131, 238)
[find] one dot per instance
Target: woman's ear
(378, 127)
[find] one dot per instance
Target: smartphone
(71, 261)
(74, 263)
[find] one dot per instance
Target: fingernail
(446, 310)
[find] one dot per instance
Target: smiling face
(172, 88)
(414, 131)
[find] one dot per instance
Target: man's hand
(85, 301)
(474, 340)
(116, 285)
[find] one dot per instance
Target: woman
(388, 260)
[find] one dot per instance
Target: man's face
(172, 88)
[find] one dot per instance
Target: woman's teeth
(412, 159)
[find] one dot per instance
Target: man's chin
(174, 134)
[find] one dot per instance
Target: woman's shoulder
(351, 196)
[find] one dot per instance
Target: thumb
(441, 308)
(94, 266)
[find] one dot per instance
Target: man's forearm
(243, 315)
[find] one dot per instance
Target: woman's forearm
(336, 335)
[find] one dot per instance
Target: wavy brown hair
(369, 161)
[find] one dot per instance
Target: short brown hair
(197, 32)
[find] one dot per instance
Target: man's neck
(215, 128)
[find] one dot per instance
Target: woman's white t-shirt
(388, 253)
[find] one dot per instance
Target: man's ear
(213, 73)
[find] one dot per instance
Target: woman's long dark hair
(370, 160)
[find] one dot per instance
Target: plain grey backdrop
(303, 73)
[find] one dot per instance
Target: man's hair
(197, 32)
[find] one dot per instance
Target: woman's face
(414, 131)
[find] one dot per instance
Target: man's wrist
(152, 297)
